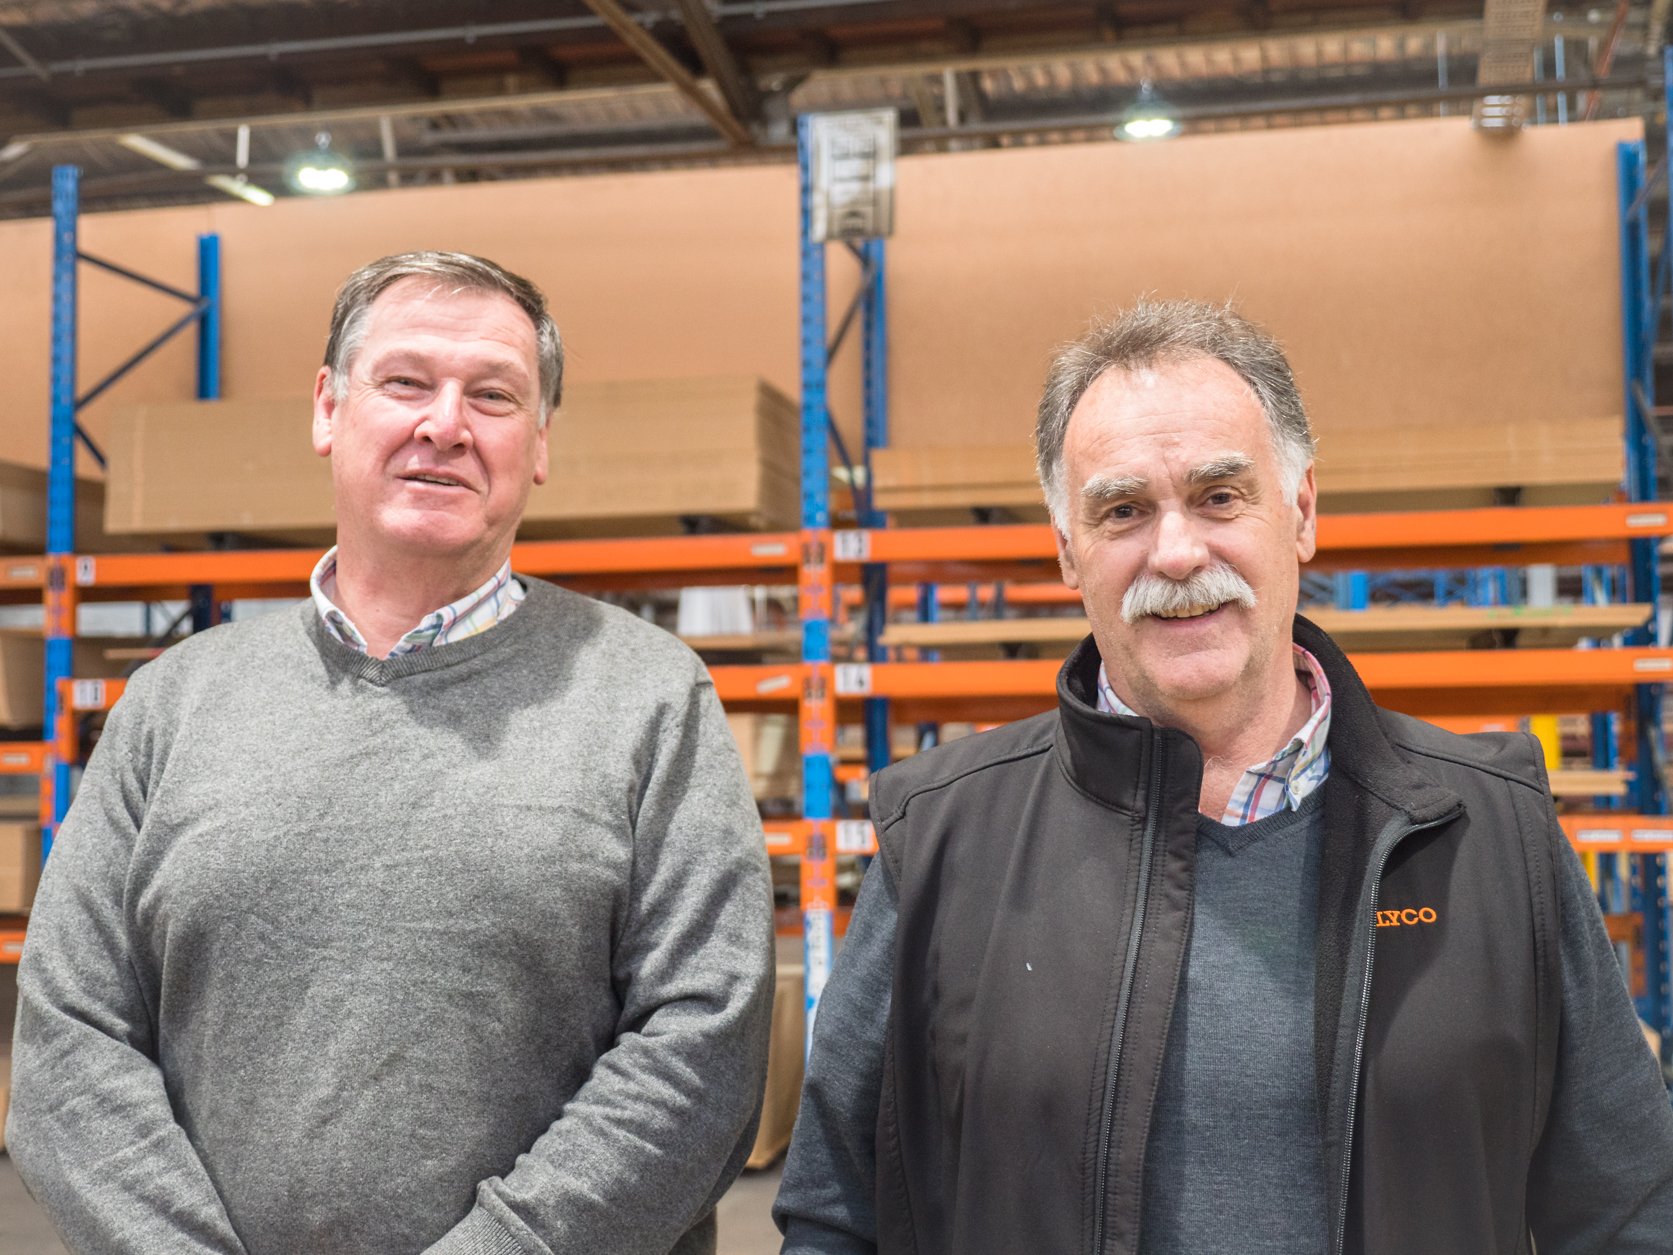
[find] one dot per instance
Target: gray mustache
(1212, 586)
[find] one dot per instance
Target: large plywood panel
(1419, 272)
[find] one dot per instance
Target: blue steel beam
(818, 776)
(61, 468)
(875, 376)
(1640, 320)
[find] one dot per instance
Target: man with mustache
(432, 914)
(1218, 957)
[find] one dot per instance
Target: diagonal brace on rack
(200, 305)
(861, 493)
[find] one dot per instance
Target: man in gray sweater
(432, 915)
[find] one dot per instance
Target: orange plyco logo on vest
(1406, 918)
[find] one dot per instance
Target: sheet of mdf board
(23, 506)
(20, 865)
(624, 460)
(216, 466)
(679, 415)
(1546, 461)
(1394, 260)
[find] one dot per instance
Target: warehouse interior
(797, 429)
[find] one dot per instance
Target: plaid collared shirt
(1285, 779)
(477, 611)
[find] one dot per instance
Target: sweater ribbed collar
(505, 637)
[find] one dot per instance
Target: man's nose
(446, 424)
(1179, 549)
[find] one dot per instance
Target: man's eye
(1222, 496)
(1123, 511)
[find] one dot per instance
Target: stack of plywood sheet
(631, 458)
(1535, 462)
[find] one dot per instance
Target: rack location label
(853, 679)
(854, 836)
(87, 695)
(851, 546)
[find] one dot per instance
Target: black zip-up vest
(1045, 878)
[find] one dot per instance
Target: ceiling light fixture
(1148, 118)
(321, 171)
(174, 159)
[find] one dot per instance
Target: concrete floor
(746, 1226)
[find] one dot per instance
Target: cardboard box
(785, 1058)
(771, 752)
(20, 865)
(23, 673)
(626, 459)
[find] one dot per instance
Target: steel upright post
(818, 700)
(1640, 319)
(205, 612)
(59, 605)
(876, 575)
(209, 322)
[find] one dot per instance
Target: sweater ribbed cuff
(478, 1234)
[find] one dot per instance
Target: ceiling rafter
(737, 88)
(635, 36)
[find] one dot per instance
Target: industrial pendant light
(321, 170)
(1148, 118)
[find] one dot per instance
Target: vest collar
(1103, 755)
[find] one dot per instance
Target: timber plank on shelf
(1589, 782)
(1375, 628)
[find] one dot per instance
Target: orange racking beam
(1503, 535)
(22, 758)
(1606, 833)
(1431, 682)
(758, 687)
(11, 945)
(1610, 832)
(740, 558)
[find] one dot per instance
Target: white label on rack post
(84, 571)
(853, 679)
(851, 168)
(854, 836)
(852, 546)
(88, 695)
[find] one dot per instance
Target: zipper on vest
(1106, 1127)
(1359, 1032)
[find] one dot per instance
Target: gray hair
(457, 272)
(1153, 332)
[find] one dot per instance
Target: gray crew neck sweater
(463, 951)
(1234, 1165)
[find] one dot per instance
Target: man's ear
(1307, 518)
(540, 453)
(1066, 558)
(325, 409)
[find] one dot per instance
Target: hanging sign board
(852, 160)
